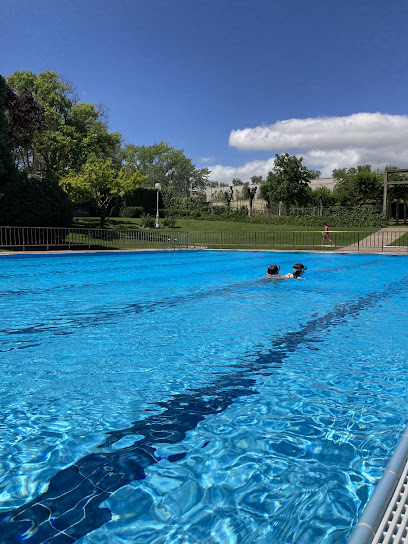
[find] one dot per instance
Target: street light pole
(158, 187)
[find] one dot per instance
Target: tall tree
(356, 184)
(365, 185)
(72, 132)
(163, 164)
(288, 181)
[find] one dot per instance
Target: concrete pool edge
(376, 507)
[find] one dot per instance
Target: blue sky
(232, 82)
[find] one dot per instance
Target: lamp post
(158, 187)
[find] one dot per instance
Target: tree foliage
(287, 182)
(357, 185)
(70, 134)
(101, 182)
(25, 119)
(162, 163)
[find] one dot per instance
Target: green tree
(101, 182)
(72, 133)
(343, 190)
(366, 185)
(237, 182)
(287, 182)
(322, 196)
(356, 185)
(265, 194)
(315, 174)
(163, 164)
(256, 180)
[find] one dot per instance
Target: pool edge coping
(376, 508)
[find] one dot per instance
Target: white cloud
(206, 159)
(226, 174)
(324, 143)
(359, 129)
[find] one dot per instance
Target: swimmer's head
(273, 269)
(298, 269)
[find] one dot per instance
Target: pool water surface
(179, 397)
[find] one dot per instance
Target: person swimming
(273, 271)
(298, 270)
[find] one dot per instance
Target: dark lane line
(70, 508)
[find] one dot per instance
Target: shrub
(131, 211)
(29, 202)
(169, 222)
(147, 221)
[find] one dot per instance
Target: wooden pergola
(388, 182)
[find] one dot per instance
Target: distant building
(323, 182)
(259, 203)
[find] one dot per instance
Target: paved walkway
(380, 241)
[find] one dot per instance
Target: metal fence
(46, 238)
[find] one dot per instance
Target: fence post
(358, 241)
(293, 240)
(382, 242)
(313, 240)
(221, 239)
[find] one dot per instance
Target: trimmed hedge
(361, 216)
(132, 211)
(145, 198)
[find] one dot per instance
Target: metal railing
(46, 238)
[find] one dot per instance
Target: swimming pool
(172, 397)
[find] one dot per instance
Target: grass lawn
(197, 225)
(217, 235)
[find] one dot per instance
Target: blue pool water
(174, 397)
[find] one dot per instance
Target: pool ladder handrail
(174, 244)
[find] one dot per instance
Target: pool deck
(372, 244)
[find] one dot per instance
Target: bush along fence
(47, 238)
